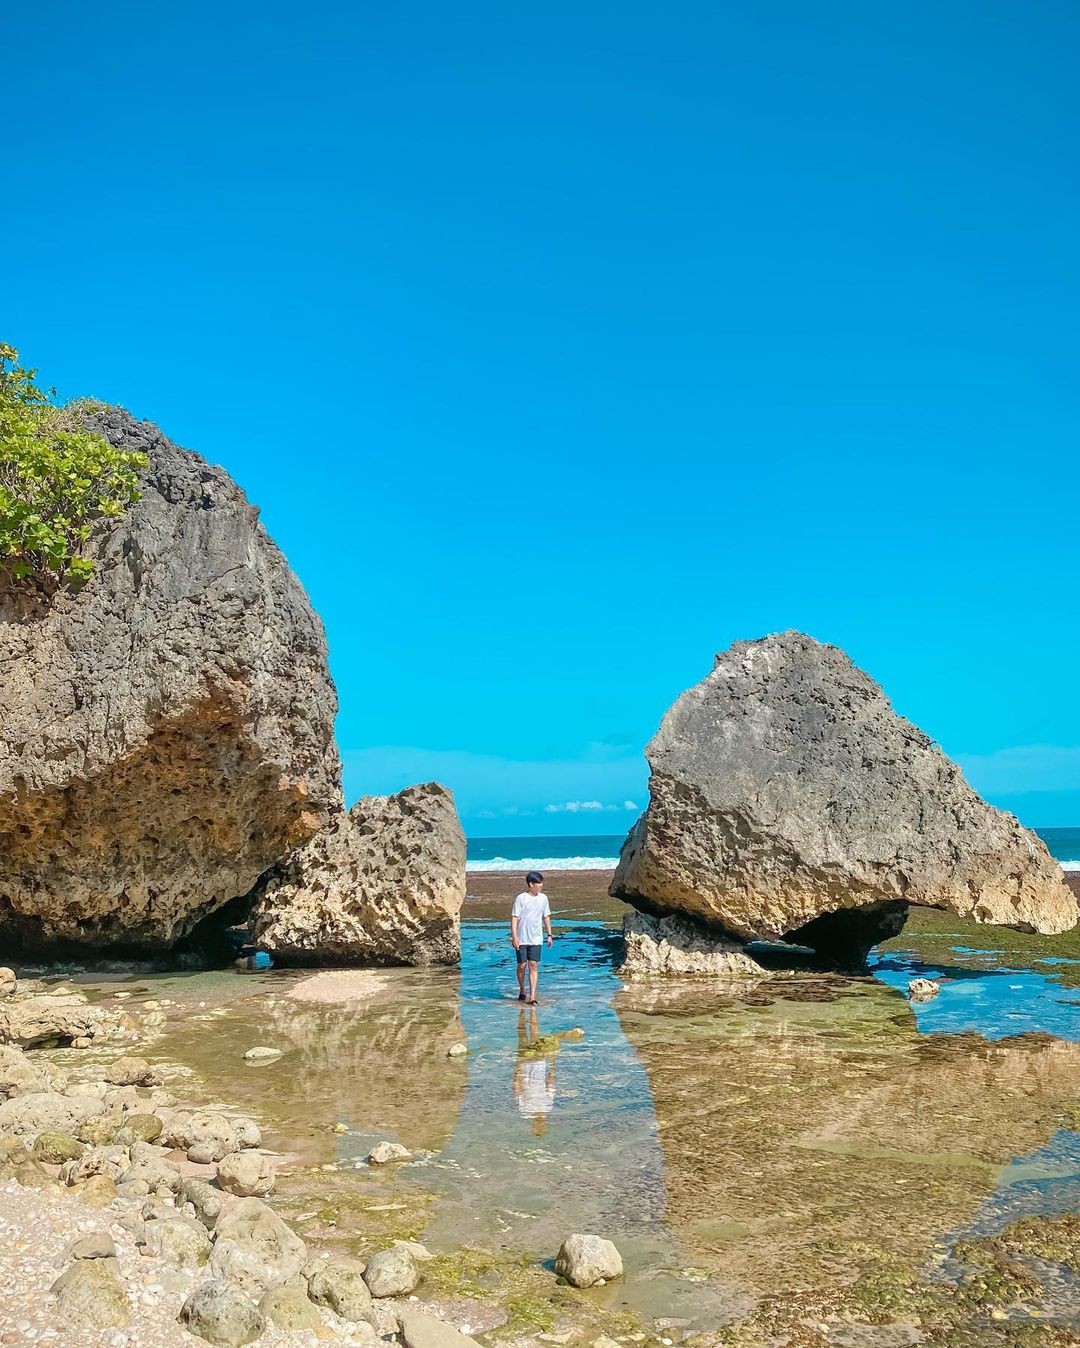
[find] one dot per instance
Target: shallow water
(773, 1141)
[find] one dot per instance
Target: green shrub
(56, 480)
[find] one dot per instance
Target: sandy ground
(334, 987)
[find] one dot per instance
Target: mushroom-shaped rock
(168, 727)
(584, 1260)
(788, 799)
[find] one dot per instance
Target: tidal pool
(734, 1147)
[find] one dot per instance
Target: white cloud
(630, 805)
(576, 806)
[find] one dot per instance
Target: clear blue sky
(562, 345)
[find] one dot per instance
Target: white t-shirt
(530, 911)
(535, 1096)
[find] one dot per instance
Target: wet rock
(787, 798)
(131, 1071)
(923, 989)
(247, 1174)
(457, 1050)
(675, 945)
(339, 1285)
(89, 1295)
(583, 1260)
(290, 1309)
(46, 1112)
(261, 1054)
(202, 750)
(177, 1239)
(217, 1312)
(383, 883)
(391, 1273)
(56, 1148)
(383, 1153)
(140, 1128)
(40, 1020)
(422, 1330)
(95, 1245)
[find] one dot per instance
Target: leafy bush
(56, 479)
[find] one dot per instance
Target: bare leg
(521, 979)
(534, 978)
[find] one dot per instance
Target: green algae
(934, 935)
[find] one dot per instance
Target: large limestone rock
(382, 884)
(788, 798)
(168, 729)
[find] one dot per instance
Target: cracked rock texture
(677, 945)
(167, 729)
(381, 884)
(785, 789)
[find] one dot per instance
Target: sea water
(600, 851)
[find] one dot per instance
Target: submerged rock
(168, 726)
(675, 945)
(585, 1260)
(383, 1153)
(382, 884)
(787, 799)
(923, 989)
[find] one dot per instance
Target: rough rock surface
(382, 884)
(168, 729)
(785, 790)
(584, 1260)
(675, 945)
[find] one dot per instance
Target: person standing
(529, 917)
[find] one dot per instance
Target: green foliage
(56, 480)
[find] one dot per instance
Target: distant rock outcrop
(382, 884)
(788, 799)
(168, 728)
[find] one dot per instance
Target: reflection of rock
(382, 884)
(380, 1068)
(168, 728)
(787, 797)
(798, 1131)
(674, 945)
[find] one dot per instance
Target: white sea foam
(1069, 865)
(544, 864)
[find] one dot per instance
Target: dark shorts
(529, 952)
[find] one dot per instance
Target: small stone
(140, 1128)
(583, 1260)
(340, 1128)
(457, 1050)
(262, 1054)
(382, 1153)
(98, 1191)
(421, 1330)
(923, 989)
(131, 1071)
(56, 1148)
(290, 1309)
(391, 1273)
(217, 1312)
(246, 1174)
(95, 1245)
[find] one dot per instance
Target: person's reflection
(534, 1072)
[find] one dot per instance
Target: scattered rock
(382, 1153)
(585, 1260)
(95, 1245)
(209, 1203)
(247, 1174)
(46, 1112)
(290, 1309)
(923, 989)
(391, 1273)
(89, 1295)
(248, 1227)
(384, 883)
(17, 1163)
(140, 1128)
(40, 1020)
(787, 799)
(99, 1131)
(56, 1148)
(260, 1054)
(8, 983)
(131, 1071)
(421, 1330)
(222, 1315)
(212, 1136)
(19, 1075)
(457, 1050)
(98, 1191)
(177, 1239)
(339, 1285)
(675, 945)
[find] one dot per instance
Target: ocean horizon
(600, 851)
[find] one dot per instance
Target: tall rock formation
(166, 732)
(382, 884)
(787, 799)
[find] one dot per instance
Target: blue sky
(563, 345)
